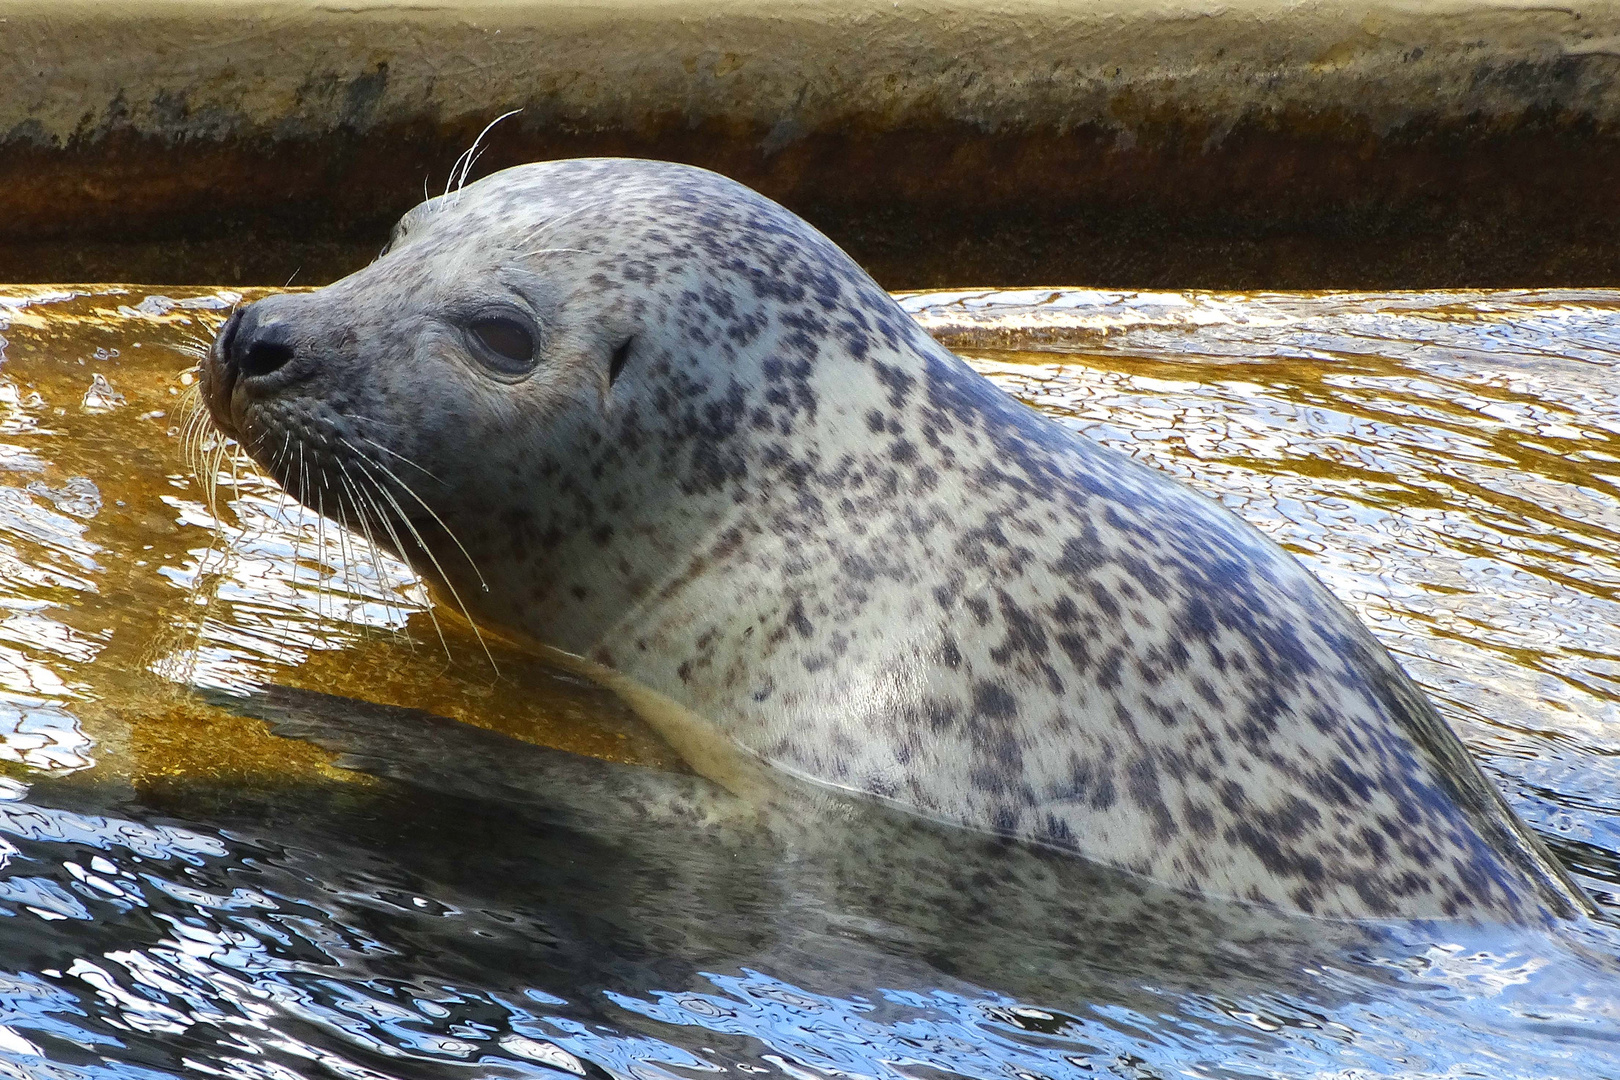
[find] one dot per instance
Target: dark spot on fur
(991, 700)
(797, 620)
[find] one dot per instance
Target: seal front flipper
(424, 750)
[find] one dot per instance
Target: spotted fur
(743, 477)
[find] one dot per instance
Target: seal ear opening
(620, 355)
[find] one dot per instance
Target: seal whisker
(218, 458)
(191, 428)
(302, 494)
(552, 223)
(215, 460)
(188, 426)
(298, 531)
(194, 344)
(465, 162)
(192, 432)
(392, 475)
(394, 453)
(390, 609)
(185, 671)
(332, 552)
(352, 585)
(333, 577)
(391, 601)
(366, 463)
(320, 547)
(205, 444)
(236, 452)
(385, 523)
(286, 639)
(346, 488)
(425, 599)
(544, 227)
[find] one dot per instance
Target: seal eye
(508, 346)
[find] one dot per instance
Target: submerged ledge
(1245, 144)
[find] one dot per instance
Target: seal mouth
(318, 455)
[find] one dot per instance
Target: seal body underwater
(648, 417)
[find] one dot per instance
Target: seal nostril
(258, 341)
(264, 357)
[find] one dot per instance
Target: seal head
(649, 417)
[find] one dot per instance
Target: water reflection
(182, 893)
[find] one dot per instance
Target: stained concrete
(1254, 143)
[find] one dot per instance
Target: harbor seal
(646, 416)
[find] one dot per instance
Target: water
(184, 893)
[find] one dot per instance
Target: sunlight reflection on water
(180, 893)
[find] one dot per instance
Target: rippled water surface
(184, 893)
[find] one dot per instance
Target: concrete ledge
(1253, 143)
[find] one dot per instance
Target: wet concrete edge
(1246, 144)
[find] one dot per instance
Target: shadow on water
(184, 892)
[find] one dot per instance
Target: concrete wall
(1250, 143)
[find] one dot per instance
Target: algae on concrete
(1245, 143)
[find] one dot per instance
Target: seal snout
(255, 345)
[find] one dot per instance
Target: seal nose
(253, 345)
